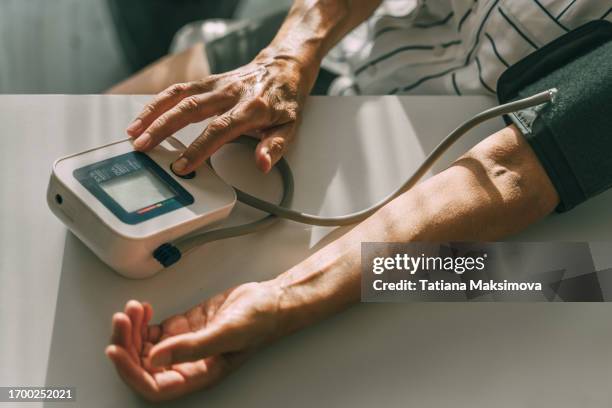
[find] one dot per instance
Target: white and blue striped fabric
(450, 46)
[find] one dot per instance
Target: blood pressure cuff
(572, 136)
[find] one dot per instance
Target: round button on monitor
(185, 176)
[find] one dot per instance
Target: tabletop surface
(57, 298)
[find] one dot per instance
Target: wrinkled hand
(193, 350)
(264, 98)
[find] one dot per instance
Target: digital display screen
(133, 187)
(136, 190)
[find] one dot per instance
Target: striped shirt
(450, 46)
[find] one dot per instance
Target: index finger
(165, 101)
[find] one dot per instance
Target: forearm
(496, 189)
(313, 27)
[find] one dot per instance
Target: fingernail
(268, 162)
(162, 359)
(264, 161)
(134, 126)
(143, 141)
(180, 165)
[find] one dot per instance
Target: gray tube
(193, 241)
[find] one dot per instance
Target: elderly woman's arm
(496, 189)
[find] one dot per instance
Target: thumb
(193, 346)
(274, 143)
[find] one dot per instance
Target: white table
(56, 298)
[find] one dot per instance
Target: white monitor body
(123, 212)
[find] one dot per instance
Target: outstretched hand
(193, 350)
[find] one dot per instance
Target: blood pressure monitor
(125, 204)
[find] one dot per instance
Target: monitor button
(187, 176)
